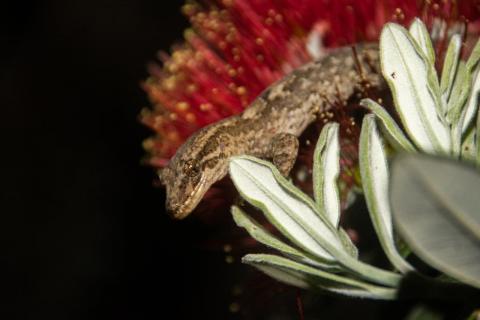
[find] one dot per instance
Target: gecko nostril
(172, 208)
(176, 210)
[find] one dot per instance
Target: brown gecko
(269, 127)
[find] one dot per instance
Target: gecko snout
(172, 208)
(176, 210)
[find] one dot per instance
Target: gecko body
(269, 127)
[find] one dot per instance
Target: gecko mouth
(182, 210)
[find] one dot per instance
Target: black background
(83, 234)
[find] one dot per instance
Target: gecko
(269, 128)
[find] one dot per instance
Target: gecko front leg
(283, 151)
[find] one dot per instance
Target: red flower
(235, 49)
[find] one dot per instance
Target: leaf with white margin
(459, 94)
(285, 206)
(450, 63)
(394, 134)
(436, 210)
(456, 111)
(374, 172)
(297, 217)
(477, 137)
(347, 243)
(304, 276)
(292, 278)
(326, 168)
(419, 32)
(473, 101)
(407, 73)
(469, 148)
(257, 232)
(474, 57)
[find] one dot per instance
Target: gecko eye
(191, 168)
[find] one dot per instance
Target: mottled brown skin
(269, 127)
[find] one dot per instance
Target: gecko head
(185, 185)
(188, 176)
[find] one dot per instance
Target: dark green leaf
(436, 206)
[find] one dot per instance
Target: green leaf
(374, 172)
(297, 216)
(459, 93)
(436, 208)
(477, 137)
(475, 315)
(450, 66)
(419, 32)
(394, 134)
(285, 206)
(474, 57)
(456, 110)
(304, 276)
(257, 232)
(347, 243)
(326, 168)
(472, 104)
(408, 74)
(469, 148)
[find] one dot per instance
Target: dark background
(83, 234)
